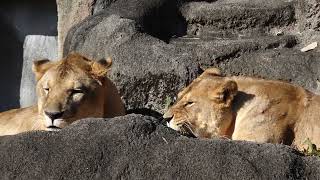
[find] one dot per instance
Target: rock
(159, 18)
(307, 27)
(150, 67)
(147, 70)
(35, 47)
(309, 47)
(137, 147)
(70, 13)
(156, 16)
(308, 12)
(289, 65)
(208, 19)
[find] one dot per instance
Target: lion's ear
(225, 93)
(101, 67)
(39, 67)
(211, 72)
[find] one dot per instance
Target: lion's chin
(183, 129)
(53, 128)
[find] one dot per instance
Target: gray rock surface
(70, 13)
(137, 147)
(35, 47)
(299, 68)
(145, 74)
(206, 19)
(147, 70)
(159, 18)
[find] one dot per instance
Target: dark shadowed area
(18, 19)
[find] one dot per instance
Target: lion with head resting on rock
(243, 108)
(68, 90)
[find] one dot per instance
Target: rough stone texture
(206, 19)
(308, 22)
(159, 18)
(309, 14)
(147, 70)
(294, 66)
(142, 73)
(70, 13)
(136, 147)
(35, 47)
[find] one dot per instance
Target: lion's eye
(77, 91)
(46, 90)
(189, 103)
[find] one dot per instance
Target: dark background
(17, 19)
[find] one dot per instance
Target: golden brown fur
(243, 108)
(70, 89)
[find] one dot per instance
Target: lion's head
(203, 109)
(70, 89)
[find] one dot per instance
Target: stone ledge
(137, 147)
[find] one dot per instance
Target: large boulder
(308, 21)
(224, 17)
(70, 13)
(137, 147)
(147, 70)
(157, 16)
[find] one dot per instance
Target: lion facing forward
(70, 89)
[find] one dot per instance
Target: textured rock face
(240, 37)
(309, 12)
(35, 48)
(206, 19)
(143, 67)
(137, 147)
(70, 13)
(159, 18)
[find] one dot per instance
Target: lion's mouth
(53, 128)
(186, 130)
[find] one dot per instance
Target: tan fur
(242, 108)
(75, 86)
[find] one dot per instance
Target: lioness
(70, 89)
(243, 108)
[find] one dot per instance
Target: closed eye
(189, 104)
(46, 90)
(77, 91)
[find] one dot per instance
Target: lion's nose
(54, 115)
(167, 119)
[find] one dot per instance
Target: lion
(68, 90)
(245, 108)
